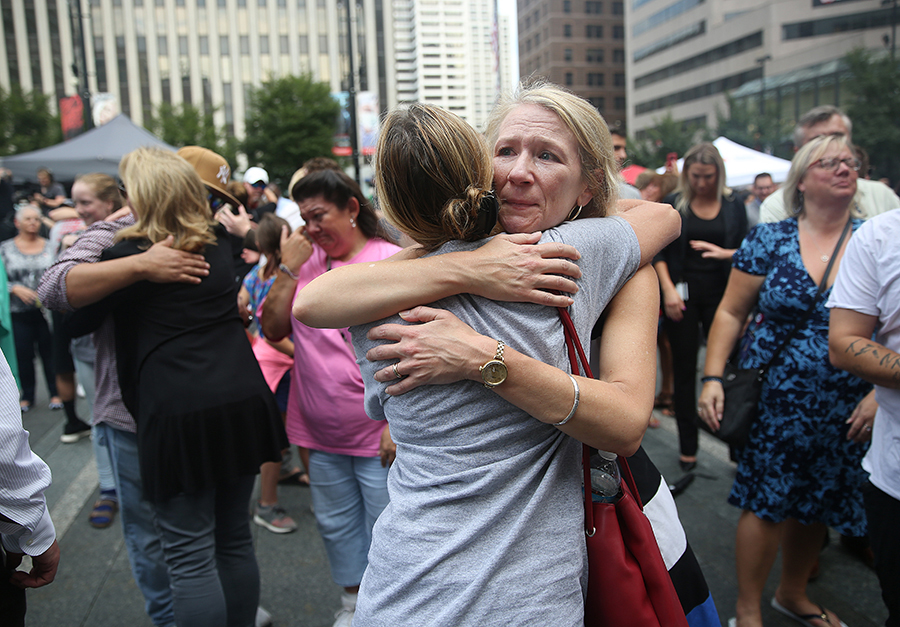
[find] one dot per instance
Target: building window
(673, 10)
(569, 79)
(567, 30)
(618, 55)
(567, 54)
(618, 31)
(594, 31)
(567, 6)
(594, 55)
(620, 103)
(593, 6)
(596, 79)
(713, 55)
(841, 24)
(619, 79)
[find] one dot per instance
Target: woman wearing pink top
(349, 453)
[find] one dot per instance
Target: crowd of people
(214, 324)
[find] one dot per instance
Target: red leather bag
(628, 583)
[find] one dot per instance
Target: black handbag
(743, 386)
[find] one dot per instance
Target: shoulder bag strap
(576, 352)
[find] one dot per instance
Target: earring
(575, 212)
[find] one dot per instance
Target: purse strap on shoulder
(576, 354)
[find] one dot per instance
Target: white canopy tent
(742, 164)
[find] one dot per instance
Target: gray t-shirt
(485, 524)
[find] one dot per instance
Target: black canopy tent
(97, 150)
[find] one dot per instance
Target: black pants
(12, 599)
(883, 512)
(684, 337)
(30, 328)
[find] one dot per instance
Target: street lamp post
(762, 94)
(351, 93)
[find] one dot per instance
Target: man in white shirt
(25, 525)
(873, 197)
(865, 299)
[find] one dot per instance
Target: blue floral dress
(798, 462)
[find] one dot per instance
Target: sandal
(104, 513)
(806, 619)
(297, 477)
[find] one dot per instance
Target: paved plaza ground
(94, 587)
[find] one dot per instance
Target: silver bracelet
(574, 405)
(287, 271)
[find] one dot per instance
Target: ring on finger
(396, 372)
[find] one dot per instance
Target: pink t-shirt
(325, 407)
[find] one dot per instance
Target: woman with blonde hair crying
(205, 417)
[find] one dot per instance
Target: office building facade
(685, 55)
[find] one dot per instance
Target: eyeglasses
(833, 164)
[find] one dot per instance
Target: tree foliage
(667, 136)
(185, 125)
(26, 122)
(874, 107)
(764, 131)
(289, 120)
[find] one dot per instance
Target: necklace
(822, 256)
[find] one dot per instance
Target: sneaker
(344, 616)
(75, 431)
(273, 518)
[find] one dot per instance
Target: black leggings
(883, 511)
(684, 336)
(30, 328)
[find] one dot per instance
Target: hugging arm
(613, 411)
(510, 268)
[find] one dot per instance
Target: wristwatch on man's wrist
(494, 372)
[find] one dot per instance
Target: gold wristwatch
(494, 372)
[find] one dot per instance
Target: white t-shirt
(874, 198)
(869, 282)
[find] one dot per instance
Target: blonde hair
(808, 154)
(432, 172)
(705, 154)
(168, 198)
(104, 188)
(599, 169)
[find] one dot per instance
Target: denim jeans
(209, 550)
(85, 373)
(141, 537)
(348, 495)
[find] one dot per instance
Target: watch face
(494, 372)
